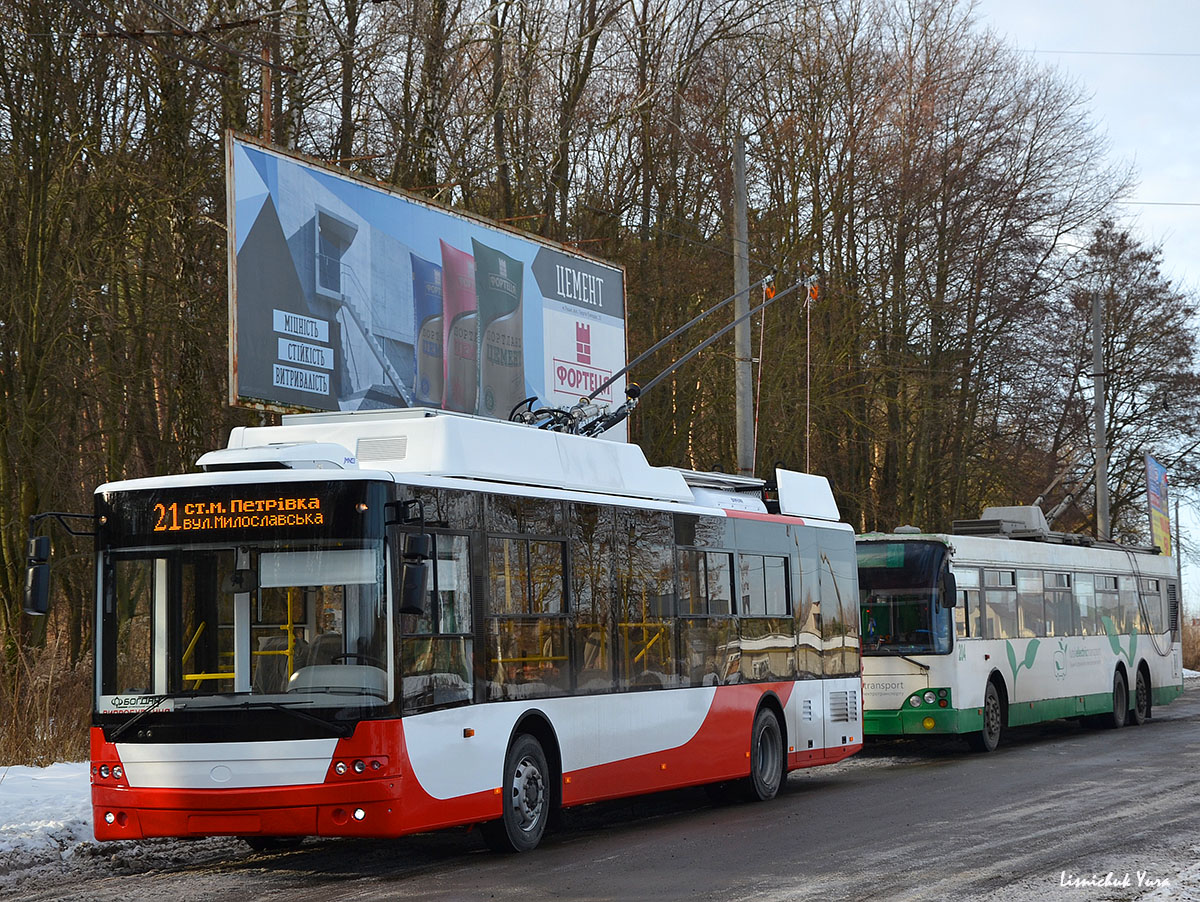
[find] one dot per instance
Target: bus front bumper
(922, 721)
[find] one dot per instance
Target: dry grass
(45, 707)
(1191, 646)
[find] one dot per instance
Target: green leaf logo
(1115, 640)
(1030, 653)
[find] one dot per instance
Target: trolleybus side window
(1000, 604)
(766, 628)
(839, 605)
(591, 554)
(526, 624)
(709, 634)
(437, 651)
(1085, 602)
(1061, 612)
(808, 607)
(1108, 604)
(968, 615)
(645, 578)
(1128, 593)
(1031, 608)
(1153, 618)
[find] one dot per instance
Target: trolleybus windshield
(900, 600)
(218, 596)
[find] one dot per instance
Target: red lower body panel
(388, 800)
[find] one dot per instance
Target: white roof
(432, 447)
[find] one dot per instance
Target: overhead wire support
(589, 418)
(663, 341)
(804, 283)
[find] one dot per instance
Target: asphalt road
(1055, 804)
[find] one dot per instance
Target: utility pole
(741, 334)
(1101, 439)
(1178, 553)
(266, 92)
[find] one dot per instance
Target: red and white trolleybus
(378, 623)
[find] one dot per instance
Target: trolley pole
(743, 380)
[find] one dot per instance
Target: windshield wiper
(154, 703)
(911, 661)
(338, 729)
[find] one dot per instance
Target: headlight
(930, 698)
(915, 701)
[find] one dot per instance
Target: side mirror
(949, 590)
(414, 574)
(37, 576)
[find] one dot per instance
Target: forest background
(955, 197)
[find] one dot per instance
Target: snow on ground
(46, 821)
(45, 813)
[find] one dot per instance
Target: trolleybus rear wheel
(526, 790)
(988, 738)
(1141, 699)
(766, 756)
(1120, 711)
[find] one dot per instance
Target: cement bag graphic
(427, 304)
(460, 346)
(498, 279)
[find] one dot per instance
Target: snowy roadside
(46, 829)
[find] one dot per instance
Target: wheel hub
(529, 793)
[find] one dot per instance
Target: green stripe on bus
(911, 721)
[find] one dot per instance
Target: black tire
(273, 843)
(987, 739)
(1120, 711)
(766, 757)
(1141, 699)
(526, 786)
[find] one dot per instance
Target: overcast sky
(1140, 61)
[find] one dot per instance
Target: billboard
(1156, 492)
(346, 295)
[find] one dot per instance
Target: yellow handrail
(192, 645)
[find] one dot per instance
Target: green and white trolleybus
(1004, 623)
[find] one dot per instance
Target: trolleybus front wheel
(988, 738)
(766, 756)
(526, 789)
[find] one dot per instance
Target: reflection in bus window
(528, 657)
(645, 570)
(526, 629)
(437, 654)
(591, 596)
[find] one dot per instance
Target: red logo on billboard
(583, 342)
(578, 377)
